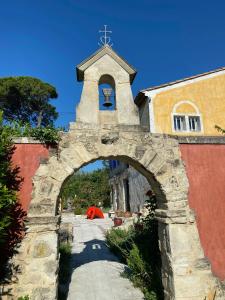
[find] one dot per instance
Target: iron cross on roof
(105, 39)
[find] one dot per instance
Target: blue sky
(163, 40)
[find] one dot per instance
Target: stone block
(41, 249)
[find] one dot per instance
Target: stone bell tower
(106, 67)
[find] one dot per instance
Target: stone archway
(186, 275)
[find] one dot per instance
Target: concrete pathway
(96, 271)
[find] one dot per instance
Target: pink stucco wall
(27, 157)
(205, 167)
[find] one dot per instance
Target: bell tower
(113, 103)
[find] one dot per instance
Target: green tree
(27, 99)
(84, 189)
(11, 214)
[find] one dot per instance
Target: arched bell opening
(107, 93)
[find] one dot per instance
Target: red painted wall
(27, 157)
(205, 167)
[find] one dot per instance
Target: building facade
(192, 106)
(128, 187)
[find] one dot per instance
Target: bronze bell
(107, 92)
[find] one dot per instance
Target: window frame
(187, 116)
(198, 123)
(187, 124)
(183, 122)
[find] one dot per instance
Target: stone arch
(157, 157)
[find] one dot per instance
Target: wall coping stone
(181, 139)
(200, 139)
(118, 127)
(26, 140)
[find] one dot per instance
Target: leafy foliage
(140, 251)
(84, 189)
(48, 134)
(27, 99)
(11, 213)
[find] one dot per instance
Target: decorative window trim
(186, 115)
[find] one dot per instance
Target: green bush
(48, 134)
(65, 250)
(120, 241)
(136, 263)
(79, 211)
(140, 251)
(11, 213)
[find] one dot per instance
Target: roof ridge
(183, 79)
(105, 49)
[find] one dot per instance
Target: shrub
(140, 251)
(11, 213)
(79, 210)
(65, 249)
(48, 134)
(136, 263)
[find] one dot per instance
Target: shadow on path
(94, 250)
(84, 253)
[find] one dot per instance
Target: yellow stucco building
(191, 106)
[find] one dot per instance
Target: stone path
(96, 271)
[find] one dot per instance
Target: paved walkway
(96, 271)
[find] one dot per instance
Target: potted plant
(117, 221)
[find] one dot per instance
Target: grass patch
(106, 209)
